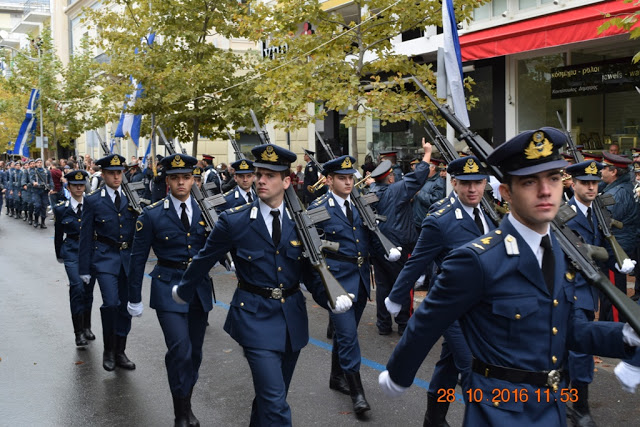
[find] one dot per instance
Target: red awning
(557, 29)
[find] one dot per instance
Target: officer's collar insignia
(511, 245)
(592, 169)
(486, 240)
(288, 214)
(346, 164)
(243, 165)
(66, 204)
(103, 193)
(539, 147)
(139, 225)
(237, 195)
(295, 243)
(269, 154)
(79, 176)
(202, 223)
(574, 208)
(115, 161)
(452, 199)
(569, 275)
(331, 203)
(177, 162)
(471, 167)
(458, 213)
(166, 203)
(477, 246)
(254, 213)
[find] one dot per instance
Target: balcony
(36, 12)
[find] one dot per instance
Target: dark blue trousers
(40, 200)
(115, 292)
(345, 337)
(80, 294)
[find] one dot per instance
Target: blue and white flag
(27, 130)
(453, 61)
(146, 155)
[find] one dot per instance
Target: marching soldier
(211, 174)
(268, 316)
(243, 192)
(17, 190)
(26, 184)
(197, 176)
(174, 228)
(68, 217)
(8, 188)
(511, 288)
(350, 266)
(456, 223)
(310, 177)
(41, 180)
(432, 191)
(105, 249)
(392, 156)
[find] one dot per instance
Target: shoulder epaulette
(438, 213)
(240, 208)
(97, 190)
(61, 203)
(228, 192)
(488, 241)
(153, 205)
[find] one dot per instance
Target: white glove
(389, 388)
(627, 266)
(628, 376)
(394, 254)
(135, 308)
(343, 303)
(174, 295)
(392, 307)
(60, 260)
(629, 336)
(86, 278)
(420, 280)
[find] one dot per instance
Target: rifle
(605, 220)
(580, 254)
(326, 146)
(446, 149)
(305, 226)
(207, 205)
(362, 203)
(129, 188)
(236, 148)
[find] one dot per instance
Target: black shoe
(384, 331)
(436, 412)
(193, 421)
(42, 224)
(35, 221)
(77, 330)
(181, 411)
(122, 361)
(337, 381)
(401, 329)
(580, 414)
(109, 355)
(86, 326)
(360, 404)
(330, 330)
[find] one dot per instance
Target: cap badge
(269, 154)
(471, 167)
(538, 147)
(79, 176)
(346, 164)
(244, 165)
(197, 171)
(177, 162)
(115, 161)
(592, 169)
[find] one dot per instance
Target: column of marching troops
(514, 315)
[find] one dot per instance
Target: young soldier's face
(180, 185)
(585, 191)
(112, 178)
(271, 186)
(341, 184)
(469, 192)
(244, 180)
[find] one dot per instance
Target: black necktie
(79, 209)
(478, 220)
(183, 216)
(249, 198)
(275, 227)
(548, 263)
(347, 205)
(589, 217)
(117, 200)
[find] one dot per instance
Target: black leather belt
(273, 293)
(359, 260)
(73, 236)
(180, 265)
(118, 245)
(550, 379)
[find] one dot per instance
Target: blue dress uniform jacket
(253, 320)
(394, 204)
(509, 319)
(100, 216)
(160, 228)
(234, 199)
(67, 222)
(625, 210)
(432, 191)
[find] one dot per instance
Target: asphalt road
(45, 380)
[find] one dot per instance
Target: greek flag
(453, 61)
(27, 130)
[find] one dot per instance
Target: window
(492, 9)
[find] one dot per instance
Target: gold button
(190, 259)
(575, 297)
(554, 330)
(555, 302)
(121, 237)
(188, 246)
(282, 300)
(158, 276)
(498, 232)
(119, 214)
(166, 238)
(241, 304)
(279, 268)
(79, 220)
(120, 225)
(188, 234)
(359, 254)
(509, 239)
(554, 359)
(281, 285)
(357, 240)
(496, 403)
(518, 316)
(249, 257)
(354, 229)
(277, 252)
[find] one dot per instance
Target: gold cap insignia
(197, 171)
(269, 154)
(243, 165)
(471, 167)
(539, 147)
(346, 164)
(115, 161)
(177, 162)
(79, 176)
(592, 169)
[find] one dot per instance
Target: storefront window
(536, 108)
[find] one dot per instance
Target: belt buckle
(360, 261)
(553, 379)
(276, 293)
(124, 245)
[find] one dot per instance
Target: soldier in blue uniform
(585, 177)
(514, 297)
(615, 175)
(392, 156)
(243, 192)
(2, 186)
(17, 190)
(105, 249)
(8, 190)
(350, 266)
(456, 223)
(310, 177)
(197, 176)
(68, 217)
(395, 203)
(174, 228)
(432, 191)
(42, 184)
(267, 314)
(211, 175)
(27, 192)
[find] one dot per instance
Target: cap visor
(556, 164)
(277, 168)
